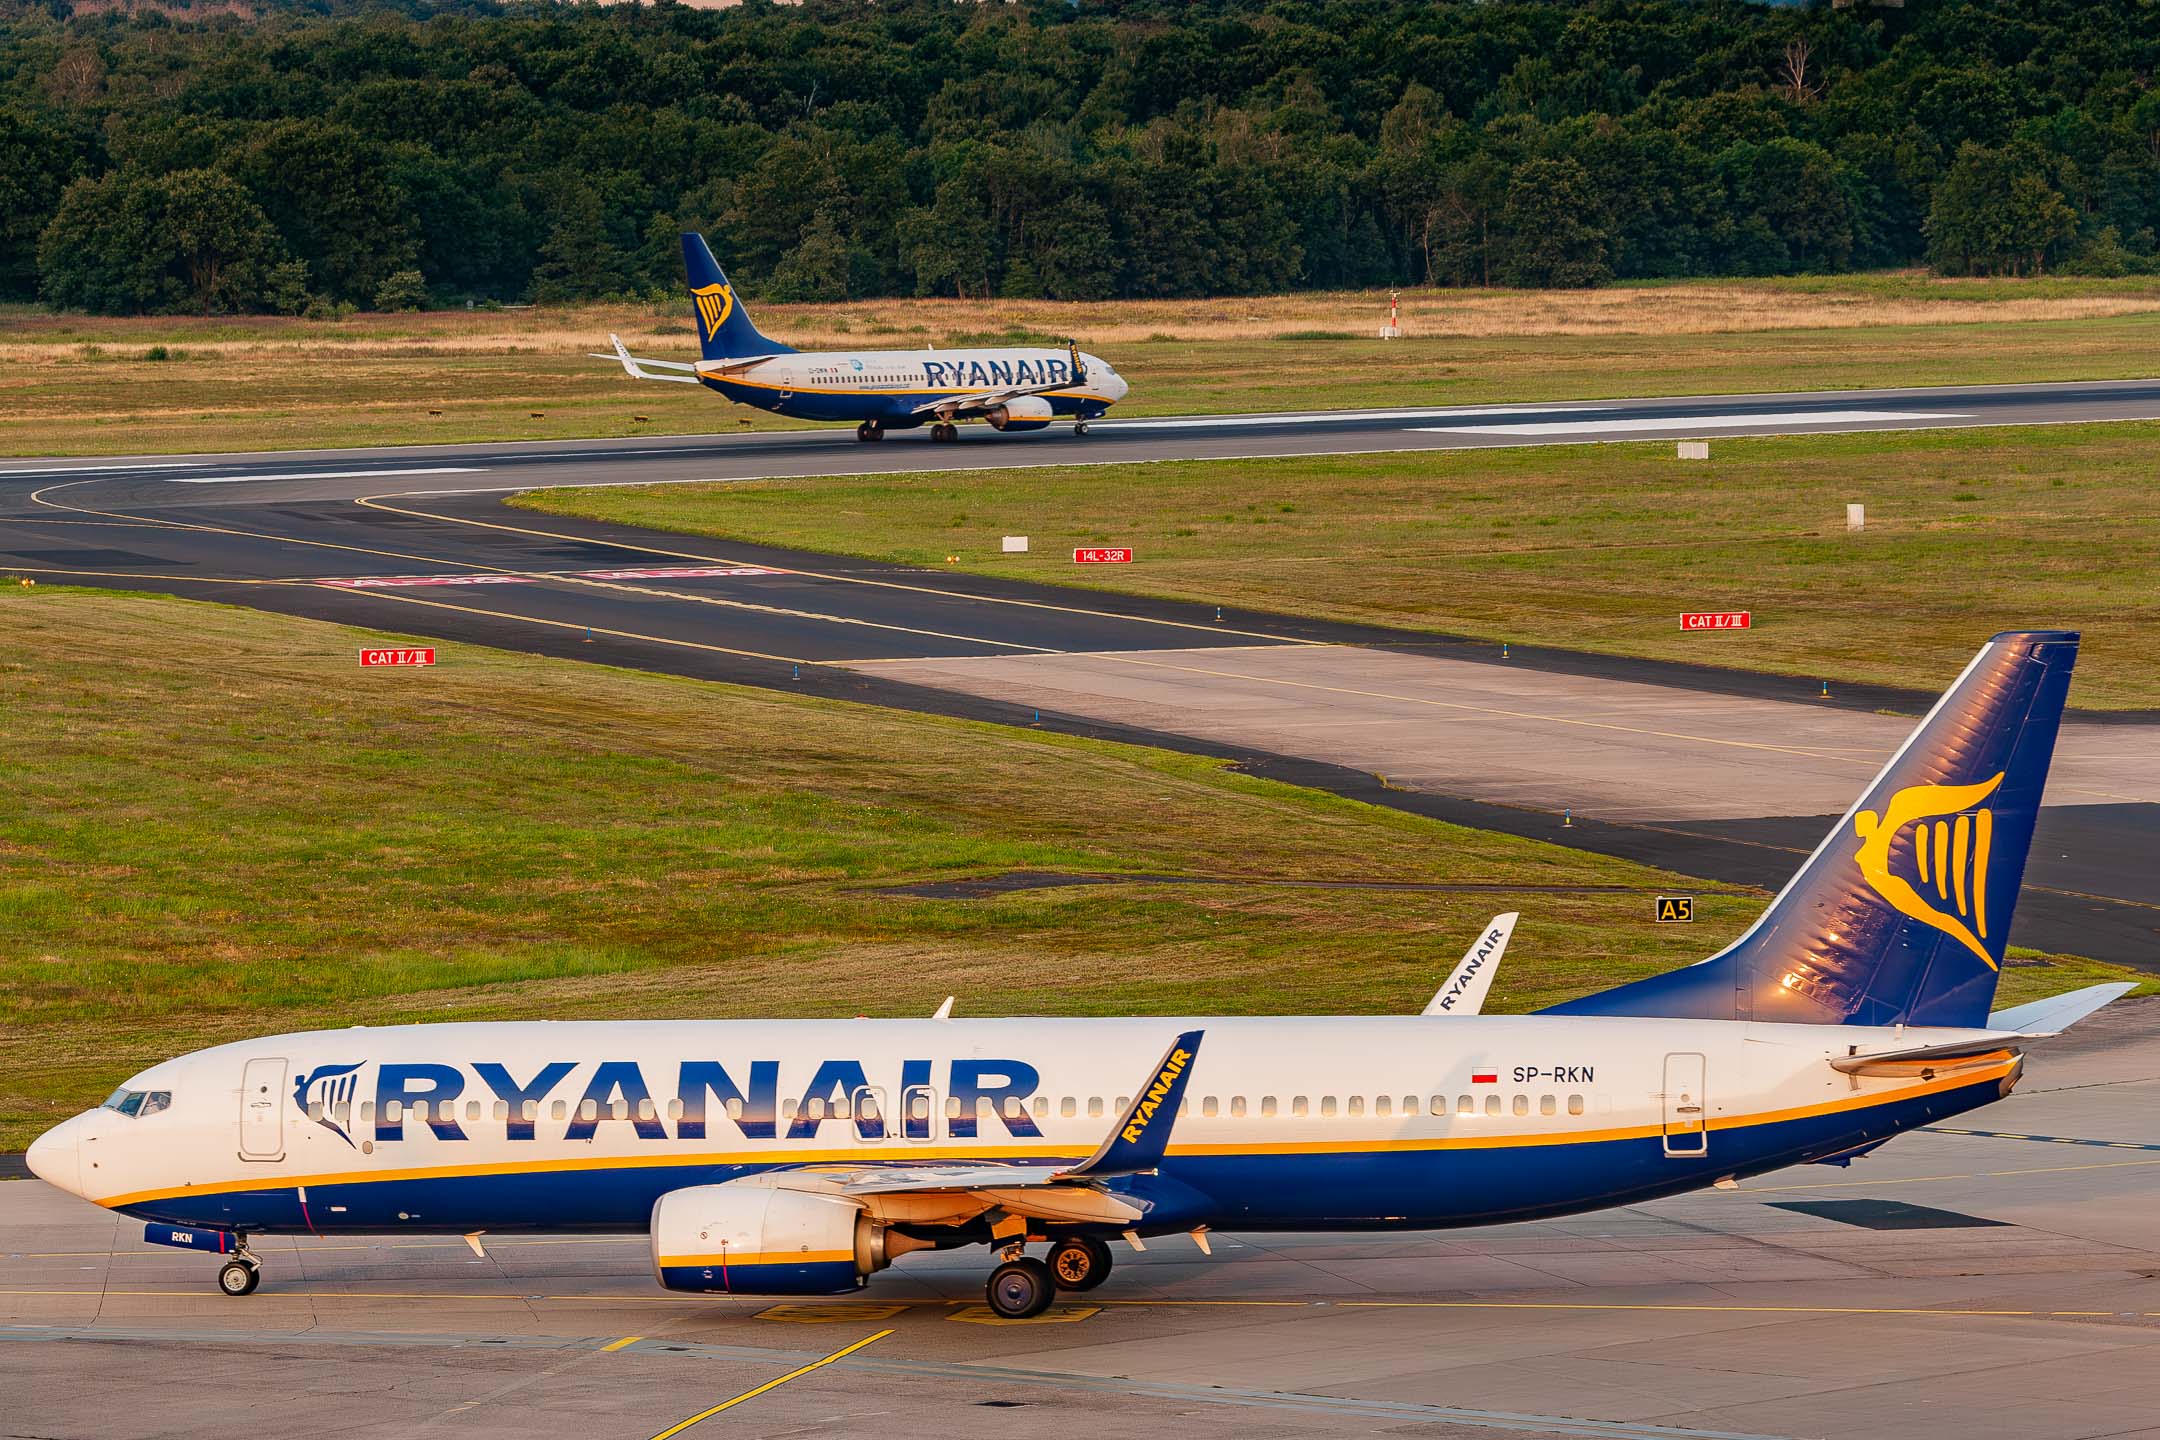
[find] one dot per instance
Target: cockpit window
(138, 1102)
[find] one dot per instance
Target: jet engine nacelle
(749, 1238)
(1028, 412)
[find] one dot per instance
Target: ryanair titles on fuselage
(619, 1092)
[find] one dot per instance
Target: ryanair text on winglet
(1152, 1101)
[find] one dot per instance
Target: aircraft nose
(1118, 387)
(56, 1156)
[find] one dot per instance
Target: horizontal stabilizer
(1926, 1061)
(2058, 1013)
(639, 368)
(1463, 992)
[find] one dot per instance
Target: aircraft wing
(1463, 992)
(639, 368)
(982, 400)
(951, 1194)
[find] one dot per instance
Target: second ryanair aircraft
(1009, 388)
(801, 1156)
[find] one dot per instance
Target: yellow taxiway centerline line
(623, 1344)
(682, 1425)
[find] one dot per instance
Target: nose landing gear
(241, 1274)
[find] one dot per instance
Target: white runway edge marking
(676, 572)
(98, 469)
(1694, 422)
(325, 475)
(1332, 417)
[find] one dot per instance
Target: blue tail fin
(1901, 914)
(723, 326)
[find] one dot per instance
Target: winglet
(944, 1011)
(623, 354)
(1137, 1142)
(1463, 992)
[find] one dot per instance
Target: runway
(1722, 775)
(1993, 1280)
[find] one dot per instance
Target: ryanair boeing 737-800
(881, 390)
(801, 1156)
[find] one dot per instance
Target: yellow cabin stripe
(917, 1154)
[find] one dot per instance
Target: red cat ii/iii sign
(1716, 620)
(397, 657)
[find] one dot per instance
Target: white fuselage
(1286, 1123)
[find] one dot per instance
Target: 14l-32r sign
(1104, 555)
(1716, 620)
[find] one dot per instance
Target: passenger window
(1383, 1105)
(558, 1110)
(393, 1111)
(1522, 1104)
(502, 1110)
(645, 1110)
(531, 1111)
(1042, 1107)
(984, 1110)
(1574, 1104)
(1357, 1105)
(1267, 1107)
(1492, 1104)
(314, 1110)
(1094, 1107)
(1297, 1105)
(1014, 1110)
(1464, 1104)
(734, 1109)
(1548, 1105)
(1327, 1105)
(1207, 1106)
(952, 1107)
(841, 1110)
(1067, 1107)
(1439, 1105)
(1409, 1105)
(1122, 1102)
(367, 1112)
(1237, 1107)
(472, 1109)
(588, 1109)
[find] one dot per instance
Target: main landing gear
(870, 430)
(1080, 427)
(241, 1274)
(1022, 1287)
(944, 433)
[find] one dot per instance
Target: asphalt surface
(1993, 1280)
(1641, 759)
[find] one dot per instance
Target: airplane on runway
(1009, 388)
(801, 1156)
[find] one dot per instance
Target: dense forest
(389, 155)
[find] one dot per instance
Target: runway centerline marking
(770, 1385)
(1691, 422)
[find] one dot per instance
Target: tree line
(378, 156)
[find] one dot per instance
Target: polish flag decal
(1485, 1078)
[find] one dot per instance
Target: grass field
(1589, 547)
(216, 825)
(71, 384)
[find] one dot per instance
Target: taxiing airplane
(800, 1156)
(1009, 388)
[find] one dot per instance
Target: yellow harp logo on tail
(1951, 844)
(714, 304)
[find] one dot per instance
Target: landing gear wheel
(239, 1277)
(1021, 1289)
(1080, 427)
(869, 430)
(944, 434)
(1079, 1263)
